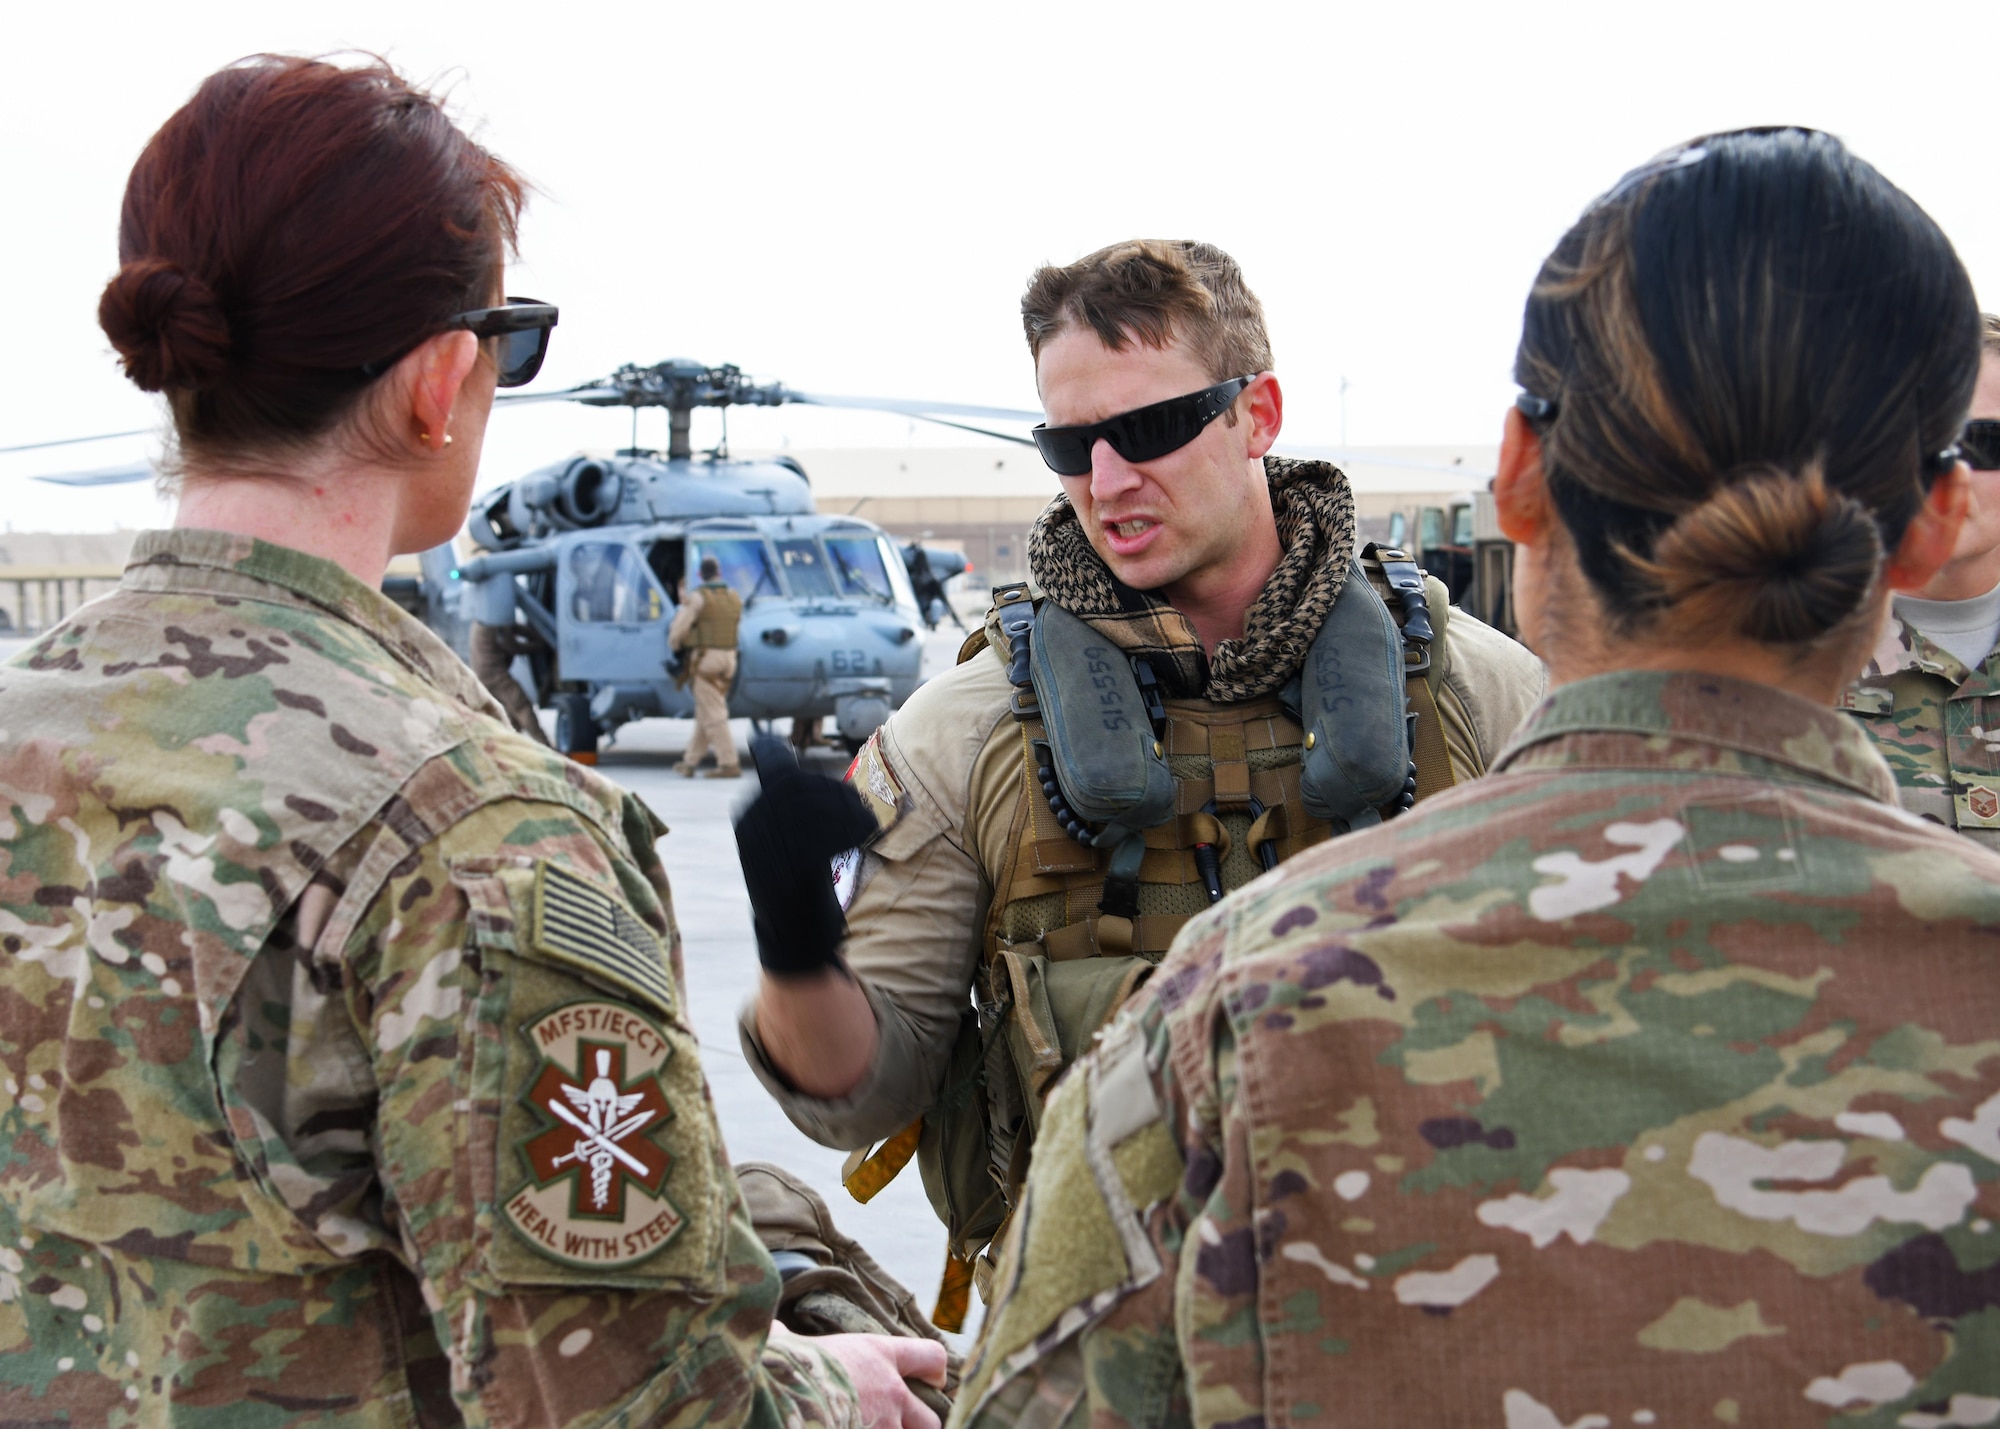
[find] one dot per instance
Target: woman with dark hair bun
(343, 1027)
(1654, 1078)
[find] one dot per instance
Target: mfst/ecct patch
(596, 1193)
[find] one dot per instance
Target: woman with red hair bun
(343, 1026)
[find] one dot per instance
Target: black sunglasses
(1979, 445)
(1140, 435)
(522, 325)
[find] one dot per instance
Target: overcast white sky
(848, 198)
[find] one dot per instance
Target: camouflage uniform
(1938, 725)
(1652, 1079)
(347, 1068)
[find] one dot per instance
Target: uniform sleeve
(1495, 681)
(1127, 1293)
(685, 616)
(546, 1145)
(939, 778)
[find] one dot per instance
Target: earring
(424, 439)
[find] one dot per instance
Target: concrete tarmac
(898, 1227)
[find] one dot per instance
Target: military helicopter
(585, 559)
(581, 563)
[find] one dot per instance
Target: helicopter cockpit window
(805, 571)
(899, 574)
(611, 585)
(746, 565)
(857, 563)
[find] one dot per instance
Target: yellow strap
(954, 1294)
(864, 1177)
(1433, 760)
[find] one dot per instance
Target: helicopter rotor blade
(124, 475)
(982, 431)
(908, 408)
(1470, 475)
(76, 441)
(609, 398)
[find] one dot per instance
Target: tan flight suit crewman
(1180, 540)
(704, 633)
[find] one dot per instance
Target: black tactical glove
(786, 838)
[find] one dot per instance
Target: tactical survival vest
(721, 611)
(1136, 813)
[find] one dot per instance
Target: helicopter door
(610, 615)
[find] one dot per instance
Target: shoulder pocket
(591, 1148)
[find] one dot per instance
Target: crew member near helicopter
(1184, 579)
(704, 636)
(494, 649)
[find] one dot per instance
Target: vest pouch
(1354, 709)
(954, 1151)
(1058, 1006)
(1111, 767)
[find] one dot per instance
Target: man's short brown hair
(1159, 291)
(710, 568)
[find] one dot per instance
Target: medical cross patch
(596, 1193)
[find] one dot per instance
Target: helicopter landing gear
(576, 728)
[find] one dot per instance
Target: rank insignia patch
(1982, 801)
(596, 1193)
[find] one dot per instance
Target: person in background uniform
(1200, 570)
(1930, 697)
(494, 650)
(348, 1068)
(1652, 1079)
(704, 634)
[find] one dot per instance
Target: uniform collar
(1684, 720)
(1904, 647)
(225, 563)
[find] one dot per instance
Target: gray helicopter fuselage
(594, 553)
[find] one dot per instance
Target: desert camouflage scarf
(1315, 511)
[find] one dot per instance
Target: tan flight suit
(705, 628)
(945, 775)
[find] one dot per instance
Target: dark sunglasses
(1979, 445)
(521, 324)
(1140, 435)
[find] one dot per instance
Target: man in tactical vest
(1203, 677)
(704, 635)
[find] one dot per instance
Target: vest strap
(1151, 934)
(866, 1172)
(954, 1295)
(1428, 751)
(1427, 746)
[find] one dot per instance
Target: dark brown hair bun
(168, 326)
(1771, 556)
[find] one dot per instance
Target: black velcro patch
(581, 925)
